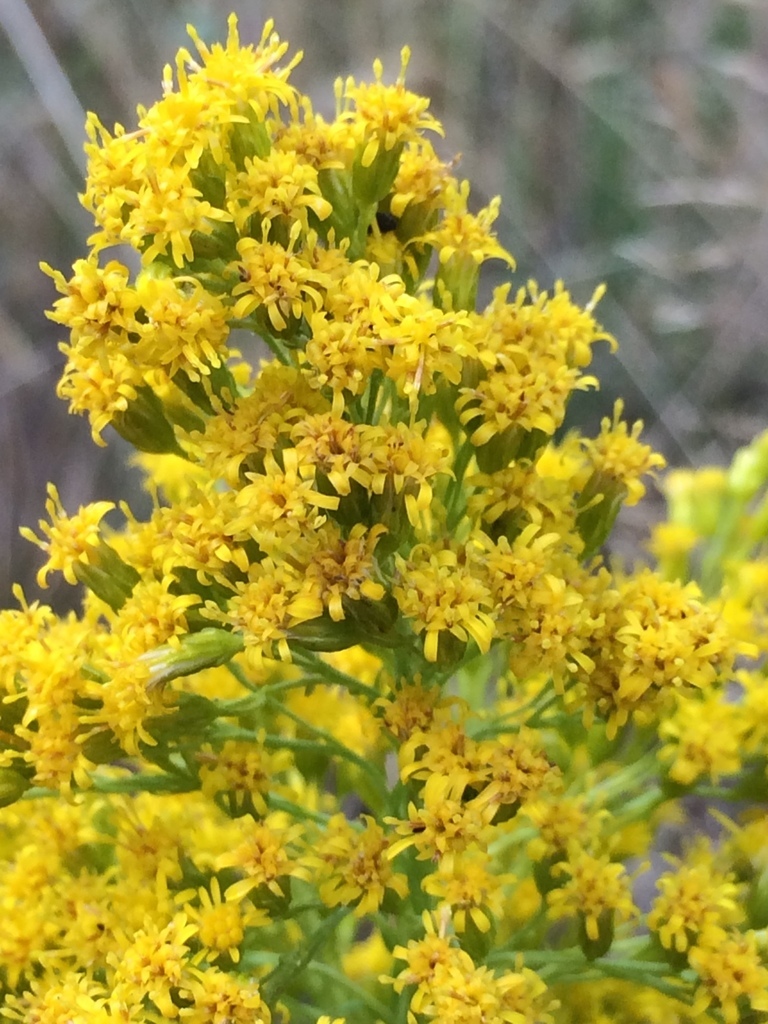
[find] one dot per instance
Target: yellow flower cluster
(357, 722)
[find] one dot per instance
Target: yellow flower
(53, 998)
(696, 904)
(424, 347)
(561, 822)
(655, 637)
(127, 702)
(152, 965)
(183, 326)
(245, 772)
(220, 923)
(445, 825)
(518, 770)
(342, 355)
(263, 855)
(245, 74)
(428, 958)
(524, 995)
(619, 460)
(703, 736)
(352, 867)
(732, 974)
(70, 540)
(276, 280)
(441, 594)
(218, 996)
(276, 186)
(278, 505)
(264, 608)
(236, 440)
(199, 534)
(443, 747)
(342, 569)
(465, 232)
(98, 302)
(152, 615)
(383, 117)
(403, 460)
(103, 388)
(412, 707)
(596, 890)
(471, 888)
(392, 487)
(147, 838)
(421, 180)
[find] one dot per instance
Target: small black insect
(386, 221)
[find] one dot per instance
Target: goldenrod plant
(357, 725)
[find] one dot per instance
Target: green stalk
(329, 675)
(334, 745)
(377, 1008)
(291, 965)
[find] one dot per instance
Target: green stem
(241, 677)
(315, 907)
(601, 971)
(539, 704)
(712, 562)
(277, 803)
(640, 807)
(377, 1008)
(144, 783)
(627, 780)
(279, 742)
(335, 745)
(373, 391)
(571, 966)
(276, 346)
(243, 705)
(455, 488)
(291, 965)
(628, 969)
(327, 674)
(731, 794)
(529, 929)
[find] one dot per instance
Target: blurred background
(628, 139)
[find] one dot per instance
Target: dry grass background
(629, 141)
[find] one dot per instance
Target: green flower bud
(757, 901)
(595, 948)
(107, 576)
(543, 873)
(336, 187)
(102, 747)
(372, 183)
(696, 499)
(192, 717)
(145, 426)
(511, 445)
(457, 278)
(749, 469)
(206, 649)
(474, 940)
(599, 504)
(249, 139)
(13, 785)
(323, 634)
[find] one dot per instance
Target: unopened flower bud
(145, 426)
